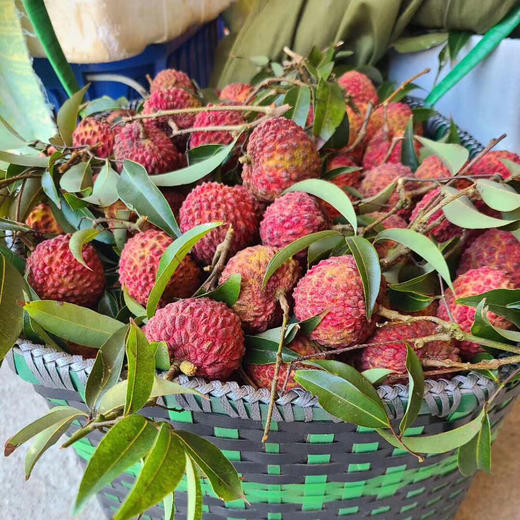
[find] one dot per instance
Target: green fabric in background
(368, 27)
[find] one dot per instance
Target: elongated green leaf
(222, 476)
(513, 167)
(6, 224)
(201, 153)
(321, 248)
(77, 178)
(421, 245)
(329, 109)
(408, 301)
(68, 115)
(476, 454)
(375, 202)
(107, 367)
(500, 301)
(34, 161)
(408, 154)
(330, 193)
(419, 43)
(138, 192)
(49, 188)
(194, 491)
(18, 139)
(11, 300)
(498, 196)
(367, 261)
(376, 375)
(263, 352)
(172, 258)
(135, 308)
(141, 369)
(456, 41)
(415, 389)
(161, 473)
(126, 443)
(441, 442)
(104, 192)
(228, 292)
(342, 399)
(72, 322)
(162, 356)
(299, 98)
(454, 156)
(293, 248)
(427, 283)
(169, 506)
(101, 104)
(56, 416)
(16, 261)
(77, 242)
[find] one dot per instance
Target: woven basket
(313, 467)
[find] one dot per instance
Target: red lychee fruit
(334, 286)
(494, 248)
(397, 117)
(491, 164)
(279, 154)
(170, 78)
(94, 133)
(172, 99)
(139, 263)
(290, 217)
(393, 221)
(259, 307)
(356, 119)
(42, 220)
(472, 283)
(432, 168)
(236, 92)
(148, 146)
(117, 115)
(215, 202)
(55, 274)
(381, 149)
(359, 87)
(391, 351)
(205, 332)
(263, 375)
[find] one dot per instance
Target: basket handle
(489, 42)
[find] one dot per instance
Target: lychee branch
(363, 130)
(271, 81)
(403, 85)
(491, 364)
(219, 260)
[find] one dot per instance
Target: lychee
(491, 164)
(215, 202)
(384, 147)
(236, 92)
(116, 116)
(290, 217)
(42, 220)
(279, 154)
(169, 78)
(205, 332)
(472, 283)
(54, 273)
(334, 286)
(396, 116)
(432, 168)
(148, 146)
(355, 122)
(139, 263)
(390, 222)
(94, 133)
(259, 307)
(263, 375)
(359, 87)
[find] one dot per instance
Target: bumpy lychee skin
(170, 99)
(205, 332)
(334, 285)
(56, 275)
(359, 87)
(96, 134)
(472, 283)
(236, 92)
(491, 163)
(432, 168)
(116, 116)
(139, 263)
(290, 217)
(263, 375)
(215, 118)
(355, 123)
(214, 202)
(380, 146)
(279, 154)
(148, 146)
(42, 220)
(494, 248)
(391, 351)
(393, 221)
(169, 78)
(397, 117)
(258, 307)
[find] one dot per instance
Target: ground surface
(50, 492)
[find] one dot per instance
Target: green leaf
(73, 322)
(33, 161)
(329, 109)
(107, 367)
(56, 416)
(101, 104)
(11, 300)
(330, 193)
(6, 224)
(201, 153)
(408, 155)
(452, 135)
(501, 197)
(408, 301)
(194, 491)
(321, 248)
(77, 178)
(441, 442)
(262, 351)
(374, 203)
(427, 283)
(12, 258)
(18, 139)
(171, 259)
(194, 172)
(141, 369)
(500, 301)
(340, 136)
(68, 115)
(169, 506)
(259, 61)
(422, 114)
(342, 399)
(421, 245)
(228, 292)
(127, 442)
(49, 188)
(299, 98)
(376, 375)
(513, 167)
(415, 389)
(476, 454)
(161, 473)
(454, 156)
(104, 192)
(162, 356)
(222, 476)
(135, 308)
(77, 242)
(139, 193)
(367, 261)
(456, 42)
(419, 43)
(293, 248)
(108, 304)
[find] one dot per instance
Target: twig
(491, 364)
(269, 81)
(219, 260)
(393, 144)
(363, 130)
(481, 154)
(404, 84)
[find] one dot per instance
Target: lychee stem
(363, 130)
(269, 81)
(219, 260)
(404, 84)
(491, 364)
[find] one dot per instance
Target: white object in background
(98, 31)
(486, 102)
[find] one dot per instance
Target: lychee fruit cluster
(42, 220)
(95, 133)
